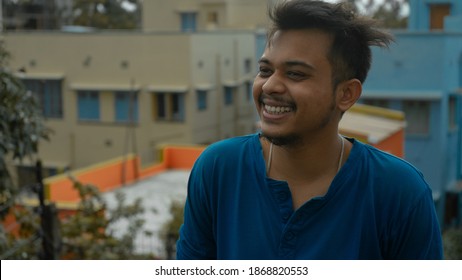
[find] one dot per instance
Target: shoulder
(220, 156)
(404, 206)
(230, 148)
(385, 163)
(390, 173)
(222, 163)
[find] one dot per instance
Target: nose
(273, 85)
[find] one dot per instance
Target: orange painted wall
(105, 176)
(111, 175)
(181, 157)
(10, 224)
(152, 170)
(394, 144)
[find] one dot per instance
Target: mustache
(264, 98)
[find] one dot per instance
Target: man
(299, 190)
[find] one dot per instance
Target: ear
(348, 92)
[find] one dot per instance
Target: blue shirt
(377, 207)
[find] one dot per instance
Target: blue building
(421, 75)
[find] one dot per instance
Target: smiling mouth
(275, 110)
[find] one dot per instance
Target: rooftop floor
(157, 193)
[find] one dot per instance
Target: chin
(281, 139)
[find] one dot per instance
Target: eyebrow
(290, 63)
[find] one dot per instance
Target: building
(107, 94)
(185, 78)
(421, 75)
(204, 15)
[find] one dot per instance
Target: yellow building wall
(162, 15)
(148, 63)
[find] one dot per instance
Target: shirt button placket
(283, 196)
(286, 217)
(287, 246)
(285, 204)
(289, 236)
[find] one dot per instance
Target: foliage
(104, 14)
(21, 126)
(83, 235)
(170, 231)
(21, 240)
(452, 244)
(86, 233)
(32, 14)
(389, 12)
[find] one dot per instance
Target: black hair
(350, 55)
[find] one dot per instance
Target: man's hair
(350, 55)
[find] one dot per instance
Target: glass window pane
(201, 100)
(161, 112)
(88, 105)
(188, 22)
(126, 106)
(228, 95)
(417, 114)
(177, 107)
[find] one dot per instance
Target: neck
(308, 161)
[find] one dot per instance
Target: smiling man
(298, 189)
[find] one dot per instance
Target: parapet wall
(112, 174)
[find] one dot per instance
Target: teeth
(277, 110)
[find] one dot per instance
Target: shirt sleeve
(417, 235)
(197, 240)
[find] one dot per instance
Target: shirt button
(289, 235)
(285, 216)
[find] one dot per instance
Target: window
(161, 112)
(417, 115)
(248, 90)
(437, 14)
(168, 106)
(228, 95)
(452, 117)
(88, 105)
(177, 101)
(188, 22)
(248, 66)
(49, 95)
(126, 106)
(212, 18)
(460, 71)
(201, 100)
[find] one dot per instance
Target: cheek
(257, 89)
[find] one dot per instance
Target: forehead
(307, 45)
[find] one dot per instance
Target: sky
(128, 6)
(404, 12)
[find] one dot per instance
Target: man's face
(293, 90)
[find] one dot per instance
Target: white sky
(404, 12)
(128, 6)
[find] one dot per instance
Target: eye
(264, 71)
(295, 75)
